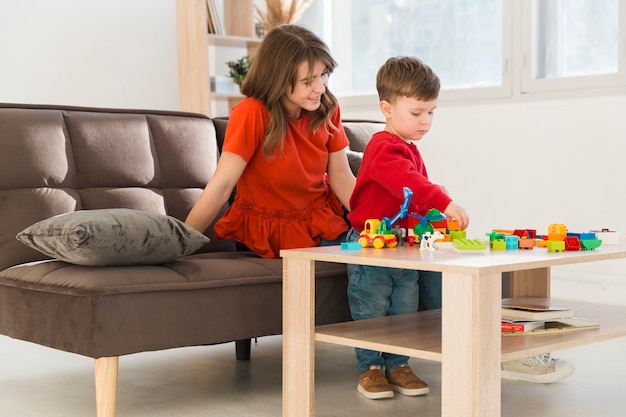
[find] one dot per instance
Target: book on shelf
(215, 20)
(210, 26)
(513, 309)
(520, 326)
(552, 326)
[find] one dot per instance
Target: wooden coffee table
(464, 335)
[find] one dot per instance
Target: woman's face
(307, 93)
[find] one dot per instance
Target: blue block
(511, 242)
(587, 236)
(351, 245)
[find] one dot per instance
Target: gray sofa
(58, 160)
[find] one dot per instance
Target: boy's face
(408, 118)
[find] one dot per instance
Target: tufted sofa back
(56, 160)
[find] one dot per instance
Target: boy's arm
(394, 169)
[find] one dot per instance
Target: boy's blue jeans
(378, 292)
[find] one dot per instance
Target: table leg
(471, 345)
(530, 283)
(298, 337)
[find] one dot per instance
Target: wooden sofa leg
(106, 385)
(242, 349)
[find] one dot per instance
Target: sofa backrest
(56, 160)
(359, 133)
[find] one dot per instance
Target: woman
(284, 150)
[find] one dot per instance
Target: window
(460, 39)
(573, 38)
(479, 48)
(572, 44)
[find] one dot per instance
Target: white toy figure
(427, 241)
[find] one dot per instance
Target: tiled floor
(208, 381)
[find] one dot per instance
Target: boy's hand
(454, 211)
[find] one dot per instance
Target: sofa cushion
(199, 299)
(113, 237)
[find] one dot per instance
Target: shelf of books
(586, 323)
(526, 317)
(231, 35)
(419, 334)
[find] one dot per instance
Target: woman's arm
(340, 176)
(217, 191)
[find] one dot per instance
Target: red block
(572, 243)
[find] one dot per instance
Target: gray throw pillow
(113, 237)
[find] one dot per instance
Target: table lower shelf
(419, 334)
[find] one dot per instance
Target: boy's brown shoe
(374, 385)
(404, 381)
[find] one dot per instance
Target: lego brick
(351, 245)
(469, 245)
(556, 245)
(590, 244)
(498, 244)
(608, 237)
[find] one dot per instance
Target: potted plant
(238, 69)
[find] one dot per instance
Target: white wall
(113, 53)
(528, 164)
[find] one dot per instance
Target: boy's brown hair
(406, 76)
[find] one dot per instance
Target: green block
(469, 244)
(498, 244)
(590, 244)
(457, 234)
(555, 245)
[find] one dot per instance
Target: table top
(448, 260)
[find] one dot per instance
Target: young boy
(408, 91)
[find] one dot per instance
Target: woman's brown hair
(274, 68)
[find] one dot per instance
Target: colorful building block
(590, 244)
(555, 245)
(457, 234)
(498, 244)
(526, 243)
(572, 243)
(608, 237)
(453, 224)
(469, 245)
(351, 246)
(511, 242)
(557, 231)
